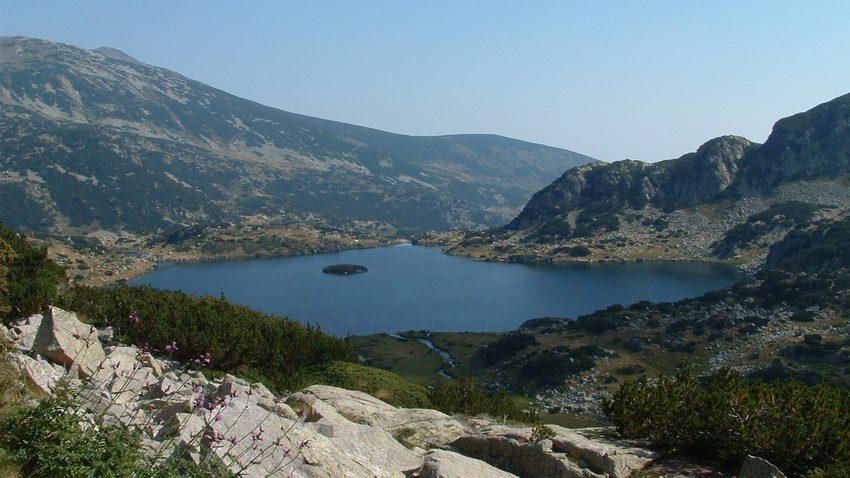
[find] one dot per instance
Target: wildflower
(218, 417)
(134, 318)
(196, 389)
(172, 347)
(303, 444)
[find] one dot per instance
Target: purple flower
(218, 417)
(171, 347)
(134, 318)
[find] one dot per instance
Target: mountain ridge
(231, 157)
(729, 200)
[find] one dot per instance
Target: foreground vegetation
(236, 338)
(802, 429)
(29, 280)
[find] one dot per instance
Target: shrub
(787, 214)
(600, 322)
(793, 425)
(236, 337)
(28, 278)
(552, 366)
(542, 432)
(577, 251)
(597, 217)
(47, 441)
(552, 230)
(465, 395)
(506, 347)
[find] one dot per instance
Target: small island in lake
(344, 269)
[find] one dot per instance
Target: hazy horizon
(606, 79)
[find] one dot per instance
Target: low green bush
(599, 322)
(47, 441)
(28, 278)
(235, 337)
(506, 347)
(552, 367)
(468, 397)
(798, 427)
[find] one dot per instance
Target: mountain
(98, 140)
(729, 200)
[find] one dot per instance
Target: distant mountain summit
(729, 200)
(98, 140)
(115, 54)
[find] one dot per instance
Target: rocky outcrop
(691, 179)
(568, 454)
(39, 375)
(424, 428)
(68, 342)
(755, 467)
(321, 431)
(809, 145)
(448, 464)
(22, 333)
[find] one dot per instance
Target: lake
(412, 288)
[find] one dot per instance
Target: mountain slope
(96, 139)
(729, 200)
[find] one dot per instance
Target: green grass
(408, 358)
(381, 384)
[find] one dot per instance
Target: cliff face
(692, 179)
(97, 139)
(810, 145)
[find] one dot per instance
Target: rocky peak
(691, 179)
(809, 145)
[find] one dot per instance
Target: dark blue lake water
(409, 287)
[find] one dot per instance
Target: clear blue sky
(643, 80)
